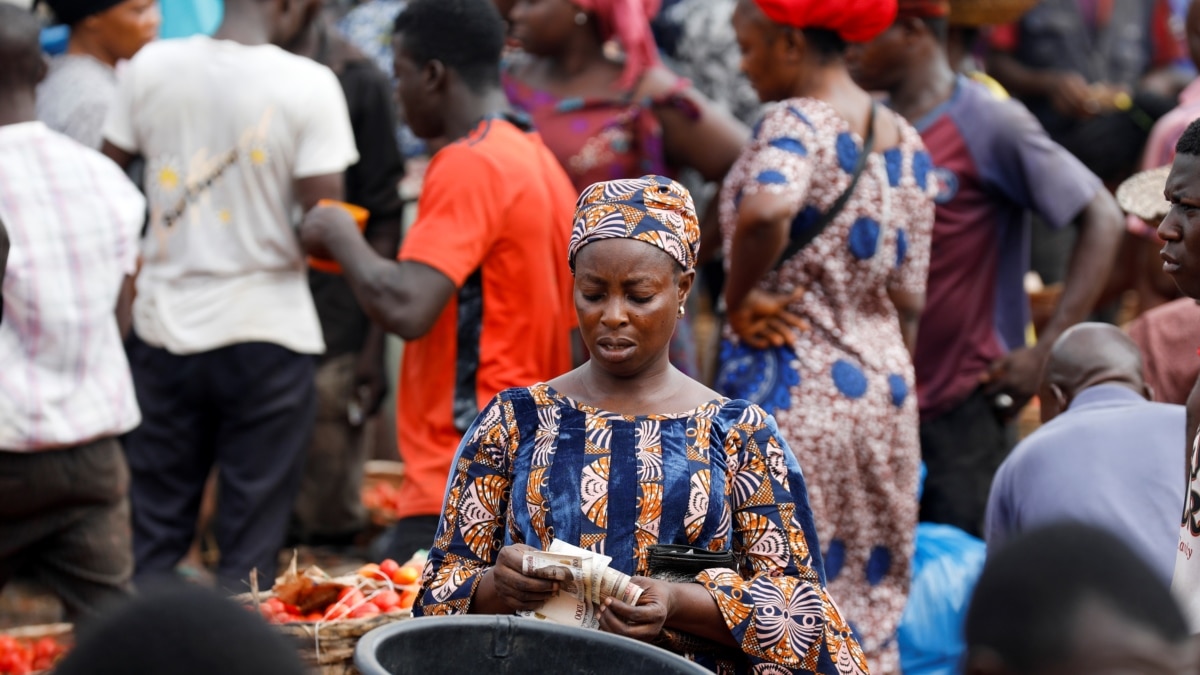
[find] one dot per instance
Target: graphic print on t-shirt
(184, 187)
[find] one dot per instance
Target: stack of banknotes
(588, 583)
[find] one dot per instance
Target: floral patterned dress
(537, 465)
(841, 393)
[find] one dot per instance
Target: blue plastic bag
(945, 567)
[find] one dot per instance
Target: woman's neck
(583, 52)
(640, 393)
(81, 44)
(829, 82)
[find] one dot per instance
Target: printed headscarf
(651, 209)
(629, 22)
(853, 20)
(923, 9)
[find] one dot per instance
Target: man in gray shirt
(1106, 456)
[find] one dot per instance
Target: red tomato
(350, 596)
(405, 576)
(407, 598)
(386, 600)
(314, 617)
(389, 567)
(365, 611)
(335, 612)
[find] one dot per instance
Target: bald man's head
(1087, 355)
(21, 62)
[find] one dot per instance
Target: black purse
(682, 564)
(675, 561)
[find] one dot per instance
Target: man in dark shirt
(992, 163)
(351, 381)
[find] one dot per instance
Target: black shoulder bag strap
(795, 245)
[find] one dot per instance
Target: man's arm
(123, 158)
(1068, 91)
(404, 298)
(1101, 228)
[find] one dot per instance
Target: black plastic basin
(504, 645)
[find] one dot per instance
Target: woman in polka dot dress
(840, 387)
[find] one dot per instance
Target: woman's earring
(580, 19)
(682, 311)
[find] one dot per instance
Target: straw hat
(1142, 194)
(978, 13)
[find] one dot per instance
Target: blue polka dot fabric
(922, 164)
(798, 114)
(849, 379)
(835, 557)
(878, 565)
(762, 376)
(847, 152)
(772, 177)
(807, 217)
(901, 246)
(791, 145)
(899, 389)
(864, 238)
(891, 159)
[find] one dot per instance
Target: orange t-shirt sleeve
(458, 214)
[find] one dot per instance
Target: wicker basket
(64, 633)
(382, 471)
(978, 13)
(327, 647)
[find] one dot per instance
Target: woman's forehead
(622, 257)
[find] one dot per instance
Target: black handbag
(682, 564)
(676, 560)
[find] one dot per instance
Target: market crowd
(784, 279)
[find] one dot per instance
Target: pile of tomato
(386, 587)
(21, 657)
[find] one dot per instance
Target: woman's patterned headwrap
(652, 209)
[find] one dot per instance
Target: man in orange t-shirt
(482, 291)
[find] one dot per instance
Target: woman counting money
(626, 453)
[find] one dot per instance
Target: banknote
(590, 582)
(544, 563)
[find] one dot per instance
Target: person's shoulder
(741, 414)
(659, 82)
(293, 64)
(982, 111)
(160, 52)
(108, 176)
(792, 118)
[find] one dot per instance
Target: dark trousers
(64, 516)
(962, 450)
(247, 409)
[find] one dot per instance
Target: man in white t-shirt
(1180, 232)
(236, 133)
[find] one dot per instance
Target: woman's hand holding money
(505, 588)
(645, 620)
(685, 607)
